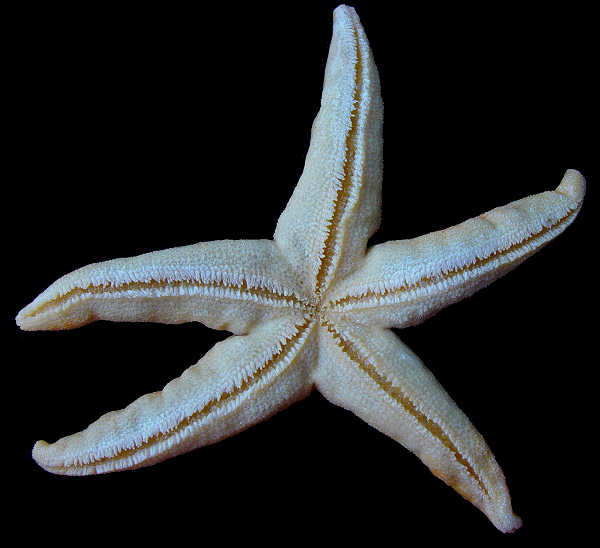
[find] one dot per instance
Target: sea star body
(310, 309)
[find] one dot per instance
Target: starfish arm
(370, 372)
(335, 207)
(227, 284)
(404, 282)
(238, 383)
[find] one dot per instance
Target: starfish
(310, 309)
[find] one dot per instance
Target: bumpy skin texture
(310, 308)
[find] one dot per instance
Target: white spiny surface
(310, 308)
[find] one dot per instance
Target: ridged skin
(309, 309)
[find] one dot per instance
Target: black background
(133, 130)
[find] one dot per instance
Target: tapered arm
(373, 374)
(239, 382)
(227, 284)
(404, 282)
(336, 206)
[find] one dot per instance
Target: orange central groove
(211, 406)
(396, 393)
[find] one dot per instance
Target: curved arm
(370, 372)
(402, 283)
(204, 282)
(239, 382)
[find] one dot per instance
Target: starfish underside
(309, 309)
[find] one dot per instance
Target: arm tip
(572, 186)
